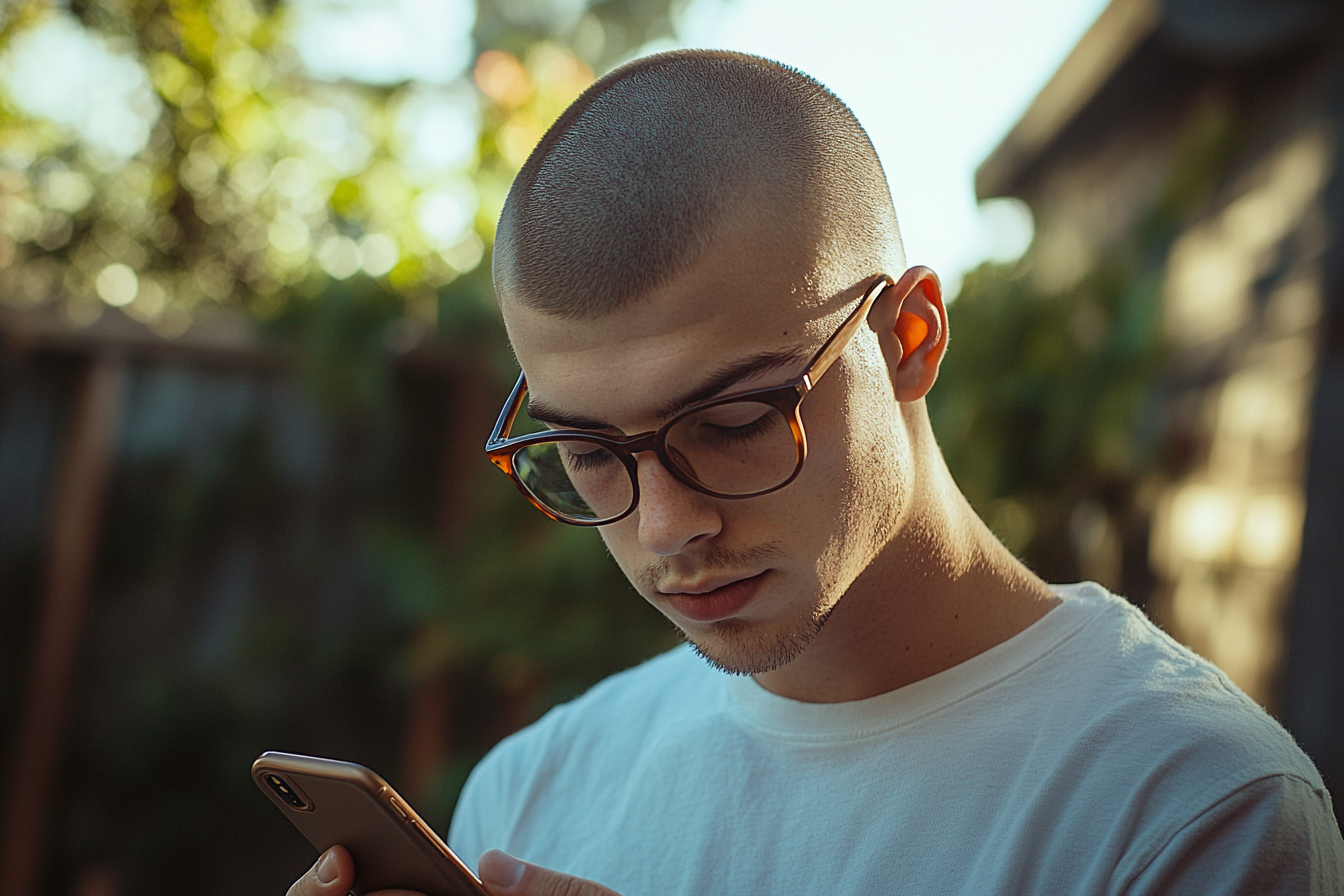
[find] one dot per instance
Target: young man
(701, 274)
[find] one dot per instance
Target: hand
(503, 875)
(332, 875)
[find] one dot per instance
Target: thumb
(504, 875)
(331, 875)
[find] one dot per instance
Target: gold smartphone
(333, 802)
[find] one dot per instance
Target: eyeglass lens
(735, 449)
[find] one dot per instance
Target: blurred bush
(305, 550)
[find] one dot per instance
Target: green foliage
(258, 187)
(1041, 400)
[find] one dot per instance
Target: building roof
(1121, 27)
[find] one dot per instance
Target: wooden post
(1312, 685)
(429, 724)
(76, 521)
(428, 734)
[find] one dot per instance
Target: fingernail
(326, 869)
(502, 870)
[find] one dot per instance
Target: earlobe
(912, 329)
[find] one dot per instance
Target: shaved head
(668, 153)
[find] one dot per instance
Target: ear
(911, 325)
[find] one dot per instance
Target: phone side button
(396, 804)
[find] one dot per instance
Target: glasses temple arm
(510, 412)
(836, 345)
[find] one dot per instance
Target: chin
(744, 648)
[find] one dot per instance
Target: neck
(941, 590)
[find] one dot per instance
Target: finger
(331, 875)
(503, 874)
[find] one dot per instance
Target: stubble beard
(740, 648)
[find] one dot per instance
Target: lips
(713, 600)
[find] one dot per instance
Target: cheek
(879, 483)
(622, 541)
(817, 506)
(863, 468)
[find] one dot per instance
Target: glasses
(741, 445)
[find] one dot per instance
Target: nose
(671, 515)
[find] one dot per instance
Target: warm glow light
(1230, 626)
(502, 78)
(1208, 286)
(1264, 406)
(1208, 524)
(1271, 531)
(1203, 522)
(117, 285)
(1240, 646)
(1212, 266)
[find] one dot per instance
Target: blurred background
(249, 355)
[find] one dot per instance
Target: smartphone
(333, 802)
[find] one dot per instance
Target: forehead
(732, 304)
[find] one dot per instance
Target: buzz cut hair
(651, 163)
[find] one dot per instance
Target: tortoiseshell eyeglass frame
(787, 399)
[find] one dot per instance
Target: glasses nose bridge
(654, 443)
(645, 444)
(641, 443)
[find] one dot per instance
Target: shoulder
(1166, 731)
(1149, 749)
(1276, 834)
(1155, 696)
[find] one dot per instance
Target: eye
(744, 433)
(586, 456)
(732, 424)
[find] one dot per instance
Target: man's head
(657, 159)
(699, 223)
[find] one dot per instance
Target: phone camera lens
(286, 792)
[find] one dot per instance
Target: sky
(937, 83)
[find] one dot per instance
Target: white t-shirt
(1088, 754)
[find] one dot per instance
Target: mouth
(714, 599)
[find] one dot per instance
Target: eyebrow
(717, 383)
